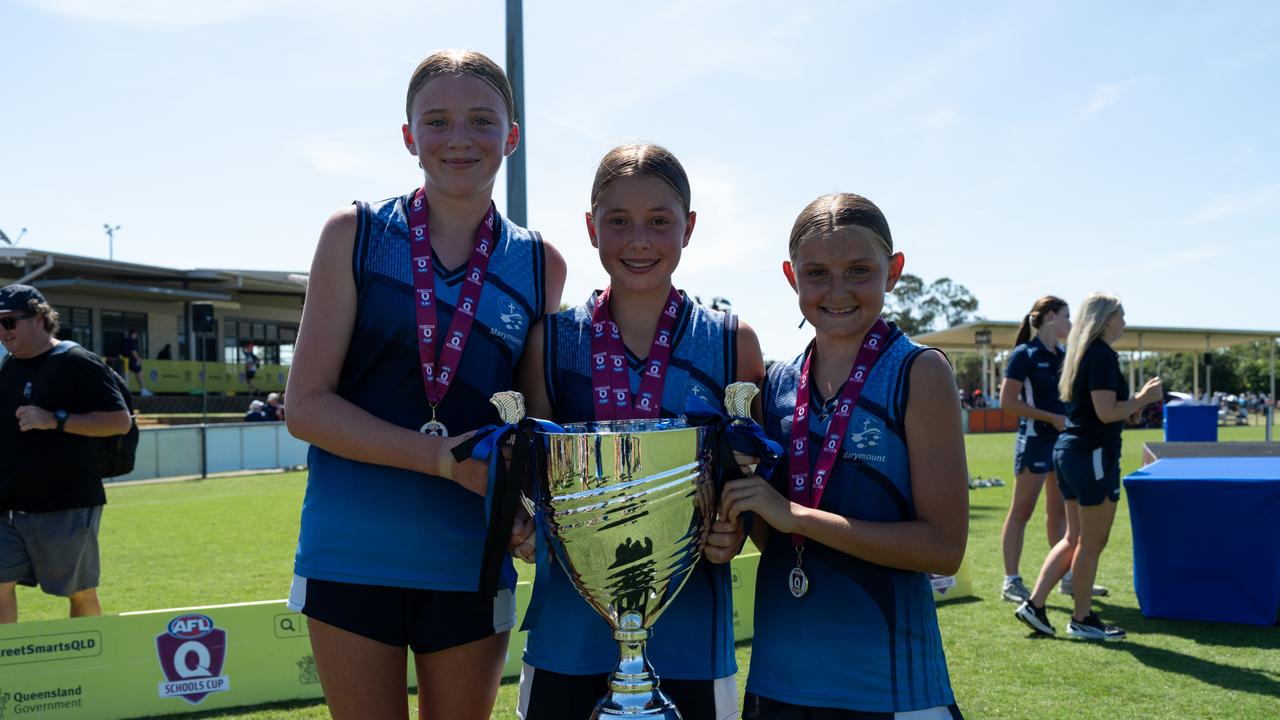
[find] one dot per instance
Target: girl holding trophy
(636, 350)
(418, 310)
(870, 497)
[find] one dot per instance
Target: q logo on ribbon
(191, 653)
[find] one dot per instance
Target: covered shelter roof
(51, 269)
(1147, 338)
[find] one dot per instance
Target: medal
(802, 489)
(797, 580)
(609, 377)
(437, 373)
(434, 427)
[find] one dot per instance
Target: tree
(917, 308)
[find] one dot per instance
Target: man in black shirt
(56, 400)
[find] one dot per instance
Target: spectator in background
(251, 363)
(979, 400)
(166, 353)
(256, 412)
(964, 400)
(134, 360)
(56, 400)
(274, 408)
(1087, 460)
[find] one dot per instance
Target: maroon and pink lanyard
(436, 382)
(609, 363)
(801, 490)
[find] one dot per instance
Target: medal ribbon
(801, 490)
(609, 377)
(424, 286)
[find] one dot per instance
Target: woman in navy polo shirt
(1030, 391)
(1087, 459)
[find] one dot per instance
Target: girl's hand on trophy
(755, 494)
(724, 541)
(521, 543)
(746, 463)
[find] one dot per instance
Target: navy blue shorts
(1088, 476)
(1034, 453)
(424, 620)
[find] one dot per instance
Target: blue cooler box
(1188, 422)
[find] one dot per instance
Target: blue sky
(1018, 148)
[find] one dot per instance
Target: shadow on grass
(1234, 635)
(966, 600)
(1227, 677)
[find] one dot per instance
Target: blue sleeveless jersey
(379, 525)
(693, 640)
(865, 637)
(1038, 370)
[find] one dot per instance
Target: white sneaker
(1014, 591)
(1065, 588)
(146, 393)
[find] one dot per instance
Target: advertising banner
(197, 659)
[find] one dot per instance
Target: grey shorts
(58, 550)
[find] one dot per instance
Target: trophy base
(654, 704)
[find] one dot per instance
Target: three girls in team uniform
(423, 305)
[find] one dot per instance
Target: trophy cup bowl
(627, 506)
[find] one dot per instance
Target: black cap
(15, 298)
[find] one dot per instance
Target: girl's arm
(1110, 410)
(1010, 389)
(317, 414)
(530, 375)
(935, 540)
(556, 271)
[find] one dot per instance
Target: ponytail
(1024, 331)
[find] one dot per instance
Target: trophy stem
(633, 686)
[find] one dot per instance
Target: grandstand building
(100, 301)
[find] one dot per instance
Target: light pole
(516, 202)
(111, 240)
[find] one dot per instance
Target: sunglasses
(9, 323)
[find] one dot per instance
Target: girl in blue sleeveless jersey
(1087, 459)
(670, 348)
(418, 310)
(870, 498)
(1030, 391)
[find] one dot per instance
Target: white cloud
(1103, 97)
(1225, 207)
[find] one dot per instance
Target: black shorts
(547, 695)
(135, 366)
(1033, 453)
(424, 620)
(1088, 476)
(755, 707)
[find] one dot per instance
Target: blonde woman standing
(1087, 460)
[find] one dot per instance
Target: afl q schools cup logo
(191, 652)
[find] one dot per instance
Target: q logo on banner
(191, 653)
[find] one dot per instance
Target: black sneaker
(1091, 628)
(1034, 618)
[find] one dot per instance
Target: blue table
(1206, 538)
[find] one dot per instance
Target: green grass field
(232, 539)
